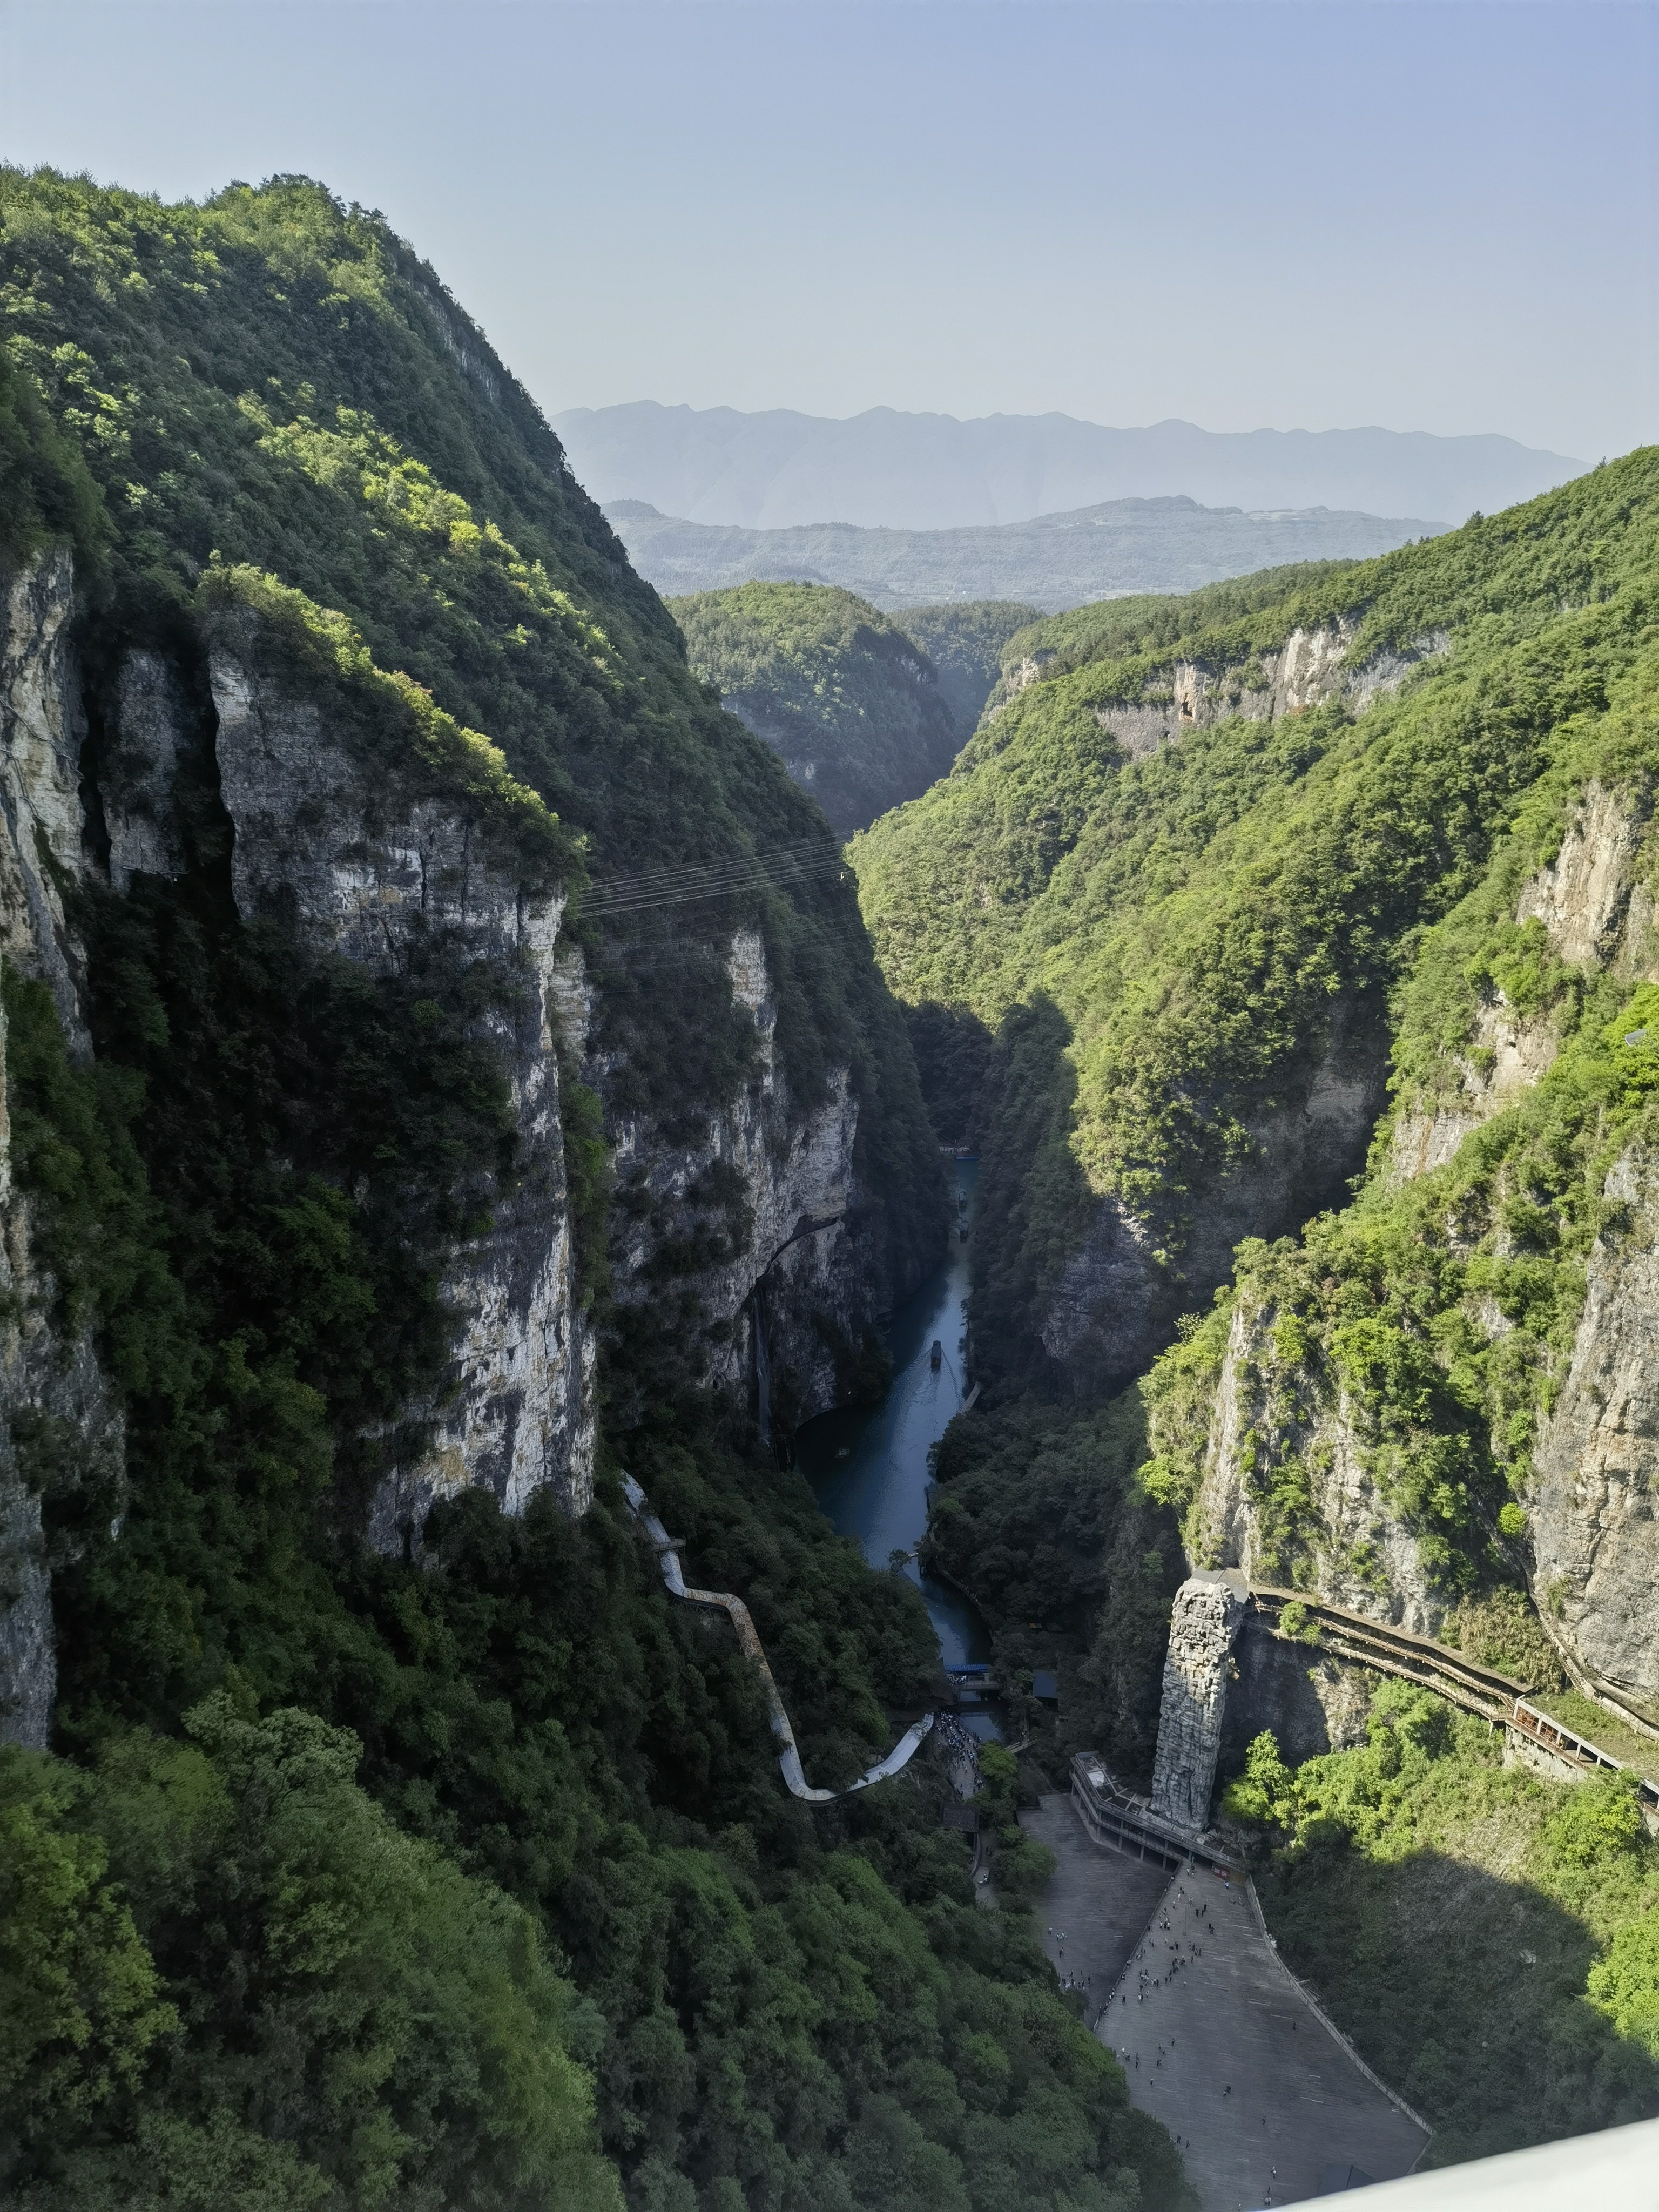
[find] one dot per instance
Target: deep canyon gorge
(1192, 1155)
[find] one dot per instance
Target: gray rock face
(137, 781)
(60, 1427)
(1596, 915)
(1361, 1557)
(1595, 1510)
(41, 731)
(1581, 897)
(310, 825)
(363, 871)
(1310, 667)
(1313, 1703)
(1209, 1610)
(1099, 1316)
(1595, 1537)
(807, 1277)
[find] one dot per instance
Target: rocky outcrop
(1356, 1552)
(139, 776)
(1595, 1511)
(1208, 1613)
(314, 826)
(1581, 896)
(1595, 915)
(1310, 667)
(782, 1297)
(1100, 1318)
(1109, 1313)
(1507, 1054)
(61, 1437)
(1595, 1466)
(42, 727)
(1312, 1702)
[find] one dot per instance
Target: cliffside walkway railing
(668, 1560)
(1120, 1821)
(1451, 1675)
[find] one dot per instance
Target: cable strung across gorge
(776, 868)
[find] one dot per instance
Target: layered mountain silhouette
(883, 469)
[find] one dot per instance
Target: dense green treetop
(965, 640)
(845, 696)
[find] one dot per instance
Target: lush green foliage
(1148, 622)
(354, 2019)
(964, 640)
(1197, 920)
(276, 379)
(1043, 1520)
(46, 490)
(1485, 1937)
(238, 1965)
(846, 698)
(1441, 1312)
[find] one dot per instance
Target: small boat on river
(937, 1354)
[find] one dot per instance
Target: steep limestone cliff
(1310, 667)
(1595, 1510)
(313, 825)
(1337, 1449)
(786, 1270)
(41, 730)
(1595, 915)
(60, 1426)
(782, 1296)
(1269, 1414)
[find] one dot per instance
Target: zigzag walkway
(667, 1550)
(1463, 1681)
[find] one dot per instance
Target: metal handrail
(1482, 1689)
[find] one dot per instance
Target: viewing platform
(1120, 1821)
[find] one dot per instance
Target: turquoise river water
(869, 1464)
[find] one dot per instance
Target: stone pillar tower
(1209, 1610)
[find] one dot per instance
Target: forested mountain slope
(380, 1176)
(1351, 910)
(1183, 876)
(846, 699)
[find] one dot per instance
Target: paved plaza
(1215, 2037)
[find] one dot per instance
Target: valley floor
(1298, 2104)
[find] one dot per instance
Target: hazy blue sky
(1436, 217)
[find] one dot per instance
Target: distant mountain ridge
(884, 469)
(1054, 562)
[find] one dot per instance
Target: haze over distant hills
(1054, 561)
(886, 470)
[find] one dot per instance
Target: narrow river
(869, 1464)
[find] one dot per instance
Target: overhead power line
(780, 866)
